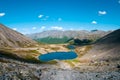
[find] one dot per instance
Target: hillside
(11, 38)
(107, 48)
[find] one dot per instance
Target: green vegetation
(50, 40)
(34, 51)
(75, 60)
(55, 48)
(80, 42)
(72, 62)
(69, 62)
(51, 62)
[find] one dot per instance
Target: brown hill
(11, 38)
(106, 48)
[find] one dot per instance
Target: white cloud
(59, 19)
(45, 18)
(57, 28)
(2, 14)
(15, 29)
(34, 28)
(102, 12)
(94, 22)
(42, 27)
(40, 16)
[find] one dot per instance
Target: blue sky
(31, 16)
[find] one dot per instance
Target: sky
(33, 16)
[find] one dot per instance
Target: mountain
(15, 46)
(11, 38)
(63, 36)
(106, 48)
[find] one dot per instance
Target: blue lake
(58, 56)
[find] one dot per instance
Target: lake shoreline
(58, 56)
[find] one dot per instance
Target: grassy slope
(51, 40)
(26, 56)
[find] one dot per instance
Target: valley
(59, 39)
(97, 60)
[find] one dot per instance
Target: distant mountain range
(11, 38)
(54, 36)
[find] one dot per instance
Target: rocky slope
(14, 70)
(106, 48)
(11, 38)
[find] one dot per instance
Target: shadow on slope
(10, 55)
(107, 48)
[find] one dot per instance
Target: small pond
(58, 56)
(71, 47)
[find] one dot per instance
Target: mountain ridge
(12, 38)
(67, 33)
(57, 36)
(106, 48)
